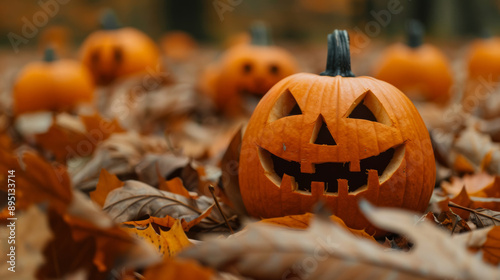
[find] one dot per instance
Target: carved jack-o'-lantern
(248, 70)
(337, 138)
(118, 52)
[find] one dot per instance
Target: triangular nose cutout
(321, 134)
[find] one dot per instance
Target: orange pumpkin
(249, 70)
(336, 138)
(421, 71)
(118, 52)
(483, 65)
(484, 59)
(55, 85)
(178, 45)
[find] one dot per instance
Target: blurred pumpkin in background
(116, 52)
(419, 70)
(247, 70)
(178, 45)
(483, 66)
(53, 85)
(337, 138)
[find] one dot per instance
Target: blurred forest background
(294, 20)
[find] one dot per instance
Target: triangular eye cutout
(362, 112)
(368, 107)
(321, 134)
(295, 111)
(285, 106)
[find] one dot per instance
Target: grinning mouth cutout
(330, 172)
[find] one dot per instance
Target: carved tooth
(354, 166)
(343, 187)
(307, 167)
(317, 189)
(372, 181)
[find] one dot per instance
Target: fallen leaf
(168, 221)
(115, 248)
(29, 246)
(327, 249)
(99, 129)
(119, 155)
(478, 185)
(163, 164)
(65, 256)
(175, 268)
(135, 200)
(66, 138)
(168, 243)
(36, 180)
(485, 218)
(303, 221)
(174, 185)
(229, 181)
(107, 182)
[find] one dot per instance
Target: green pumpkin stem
(49, 55)
(415, 33)
(109, 20)
(260, 34)
(338, 61)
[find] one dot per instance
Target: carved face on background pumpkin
(250, 70)
(338, 139)
(111, 54)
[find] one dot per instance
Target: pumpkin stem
(49, 55)
(338, 61)
(260, 34)
(109, 20)
(415, 33)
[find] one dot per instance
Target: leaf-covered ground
(144, 185)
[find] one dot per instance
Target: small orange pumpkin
(249, 70)
(484, 59)
(336, 138)
(55, 85)
(419, 70)
(483, 65)
(118, 52)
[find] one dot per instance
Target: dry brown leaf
(119, 155)
(229, 179)
(478, 185)
(66, 138)
(486, 241)
(36, 180)
(107, 183)
(135, 200)
(29, 246)
(114, 246)
(168, 221)
(303, 221)
(174, 185)
(65, 256)
(98, 128)
(327, 249)
(175, 268)
(168, 243)
(164, 165)
(471, 202)
(485, 218)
